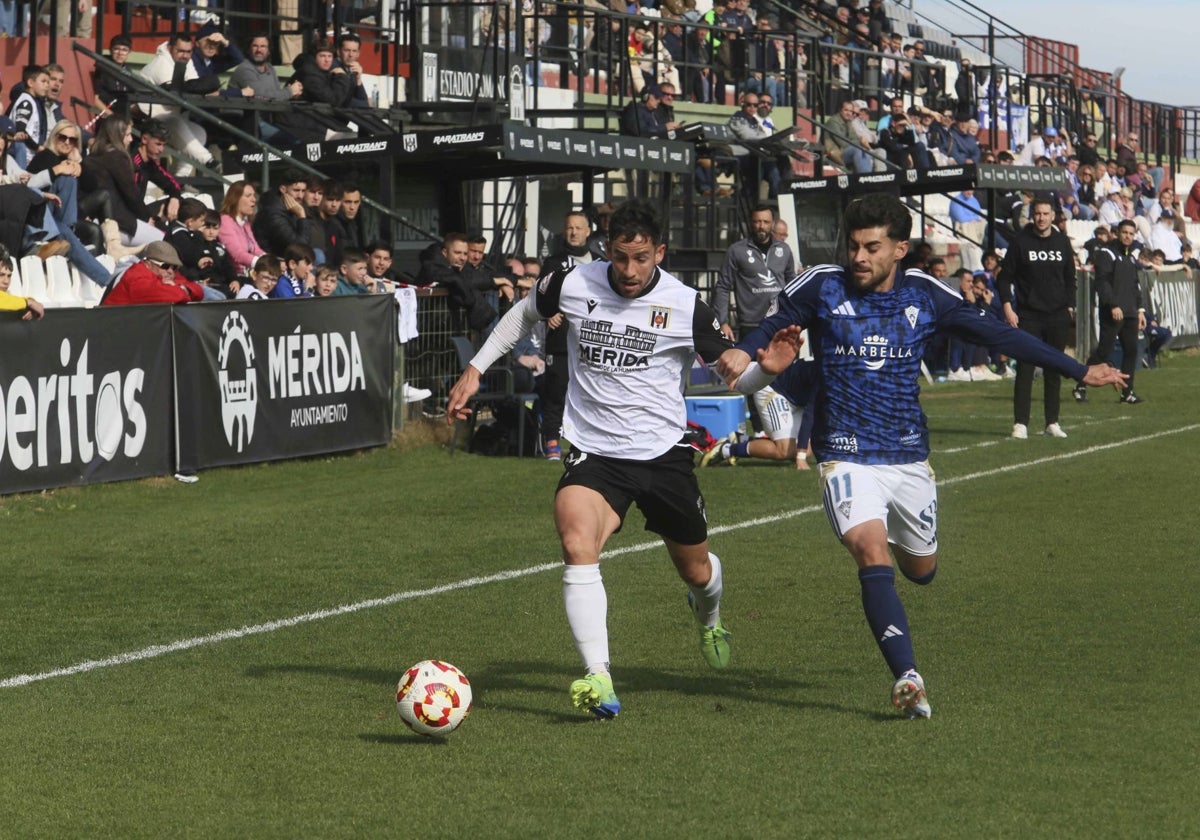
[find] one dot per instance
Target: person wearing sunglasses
(155, 278)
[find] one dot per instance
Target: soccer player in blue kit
(869, 324)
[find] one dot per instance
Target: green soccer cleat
(594, 693)
(714, 641)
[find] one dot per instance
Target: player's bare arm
(465, 388)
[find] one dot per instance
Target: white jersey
(628, 358)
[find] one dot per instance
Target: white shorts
(780, 419)
(904, 497)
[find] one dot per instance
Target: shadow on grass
(410, 739)
(739, 686)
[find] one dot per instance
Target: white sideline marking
(154, 651)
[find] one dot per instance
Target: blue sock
(741, 449)
(885, 616)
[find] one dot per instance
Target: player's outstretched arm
(465, 388)
(1105, 375)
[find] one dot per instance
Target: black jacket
(1038, 273)
(1117, 279)
(275, 227)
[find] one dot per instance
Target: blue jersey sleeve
(983, 327)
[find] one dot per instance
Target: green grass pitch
(1059, 644)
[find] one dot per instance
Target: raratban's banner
(264, 380)
(85, 397)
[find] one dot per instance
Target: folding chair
(496, 387)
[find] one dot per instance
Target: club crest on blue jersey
(659, 316)
(911, 314)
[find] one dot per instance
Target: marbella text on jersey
(93, 414)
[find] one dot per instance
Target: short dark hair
(347, 37)
(32, 72)
(1127, 223)
(763, 207)
(290, 176)
(156, 129)
(121, 40)
(878, 210)
(477, 239)
(636, 217)
(379, 245)
(191, 208)
(268, 263)
(321, 45)
(1041, 199)
(180, 37)
(332, 189)
(297, 251)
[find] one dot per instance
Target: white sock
(586, 604)
(708, 597)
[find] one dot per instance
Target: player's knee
(917, 576)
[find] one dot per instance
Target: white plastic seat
(59, 291)
(33, 276)
(16, 287)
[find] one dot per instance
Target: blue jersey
(868, 348)
(798, 382)
(289, 287)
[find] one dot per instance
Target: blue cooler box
(720, 415)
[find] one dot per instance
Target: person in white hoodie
(172, 69)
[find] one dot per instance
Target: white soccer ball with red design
(433, 697)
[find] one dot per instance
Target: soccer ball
(433, 697)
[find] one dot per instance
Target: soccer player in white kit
(633, 332)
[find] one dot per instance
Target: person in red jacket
(154, 279)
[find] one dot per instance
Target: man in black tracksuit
(1121, 312)
(1037, 280)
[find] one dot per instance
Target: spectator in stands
(1192, 208)
(297, 281)
(1164, 238)
(358, 232)
(153, 279)
(1101, 236)
(148, 169)
(215, 55)
(1086, 195)
(30, 309)
(54, 105)
(31, 116)
(326, 283)
(895, 109)
(111, 87)
(55, 170)
(221, 275)
(966, 88)
(263, 276)
(962, 147)
(110, 168)
(172, 69)
(1128, 151)
(325, 83)
(352, 280)
(349, 46)
(969, 223)
(237, 227)
(444, 267)
(1112, 211)
(899, 142)
(1088, 156)
(482, 276)
(840, 140)
(641, 118)
(748, 129)
(82, 10)
(379, 265)
(196, 258)
(282, 219)
(258, 74)
(666, 106)
(766, 62)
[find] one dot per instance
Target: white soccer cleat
(959, 375)
(1054, 430)
(1020, 431)
(980, 373)
(908, 695)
